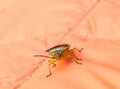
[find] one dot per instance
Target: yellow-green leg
(51, 62)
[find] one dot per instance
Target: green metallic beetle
(58, 52)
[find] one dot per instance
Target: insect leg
(54, 65)
(74, 56)
(51, 62)
(79, 51)
(49, 71)
(76, 60)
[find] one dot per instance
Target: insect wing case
(56, 51)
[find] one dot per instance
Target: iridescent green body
(58, 52)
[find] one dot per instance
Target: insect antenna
(41, 56)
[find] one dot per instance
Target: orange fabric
(29, 27)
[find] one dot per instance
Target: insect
(58, 52)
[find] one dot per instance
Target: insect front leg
(51, 62)
(49, 71)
